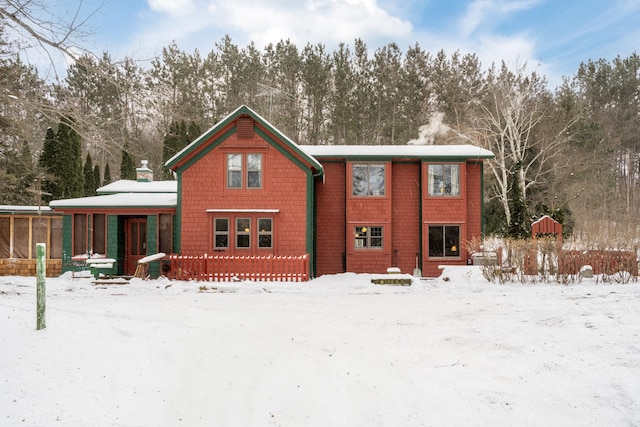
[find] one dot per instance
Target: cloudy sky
(551, 36)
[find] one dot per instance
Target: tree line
(571, 152)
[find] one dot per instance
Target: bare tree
(513, 124)
(38, 24)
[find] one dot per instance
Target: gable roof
(226, 126)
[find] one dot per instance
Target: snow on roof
(23, 209)
(386, 151)
(130, 186)
(120, 200)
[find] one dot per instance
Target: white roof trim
(243, 210)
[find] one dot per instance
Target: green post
(41, 273)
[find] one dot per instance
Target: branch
(22, 19)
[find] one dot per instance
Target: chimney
(143, 173)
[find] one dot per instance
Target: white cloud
(485, 14)
(201, 23)
(172, 7)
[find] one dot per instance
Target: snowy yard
(336, 351)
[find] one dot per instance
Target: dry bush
(613, 260)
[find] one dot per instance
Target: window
(43, 230)
(235, 167)
(444, 180)
(368, 237)
(265, 233)
(165, 233)
(5, 238)
(98, 245)
(221, 233)
(56, 238)
(444, 240)
(243, 232)
(368, 179)
(254, 170)
(21, 237)
(40, 232)
(79, 234)
(234, 170)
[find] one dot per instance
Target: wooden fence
(602, 261)
(224, 268)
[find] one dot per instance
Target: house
(244, 189)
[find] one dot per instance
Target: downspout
(346, 208)
(177, 231)
(313, 216)
(420, 218)
(481, 199)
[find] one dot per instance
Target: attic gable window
(244, 127)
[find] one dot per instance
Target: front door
(135, 243)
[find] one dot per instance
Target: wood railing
(225, 268)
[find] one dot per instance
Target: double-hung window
(79, 234)
(368, 237)
(368, 179)
(265, 233)
(243, 233)
(244, 170)
(98, 244)
(221, 233)
(234, 170)
(444, 179)
(444, 241)
(254, 170)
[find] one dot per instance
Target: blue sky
(552, 36)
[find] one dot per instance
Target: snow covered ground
(337, 351)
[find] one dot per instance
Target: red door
(135, 243)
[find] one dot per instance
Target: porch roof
(119, 201)
(13, 209)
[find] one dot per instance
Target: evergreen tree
(96, 177)
(179, 136)
(519, 226)
(69, 173)
(193, 131)
(170, 148)
(89, 180)
(23, 169)
(48, 164)
(107, 175)
(127, 164)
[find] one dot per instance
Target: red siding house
(246, 190)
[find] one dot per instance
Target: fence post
(41, 274)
